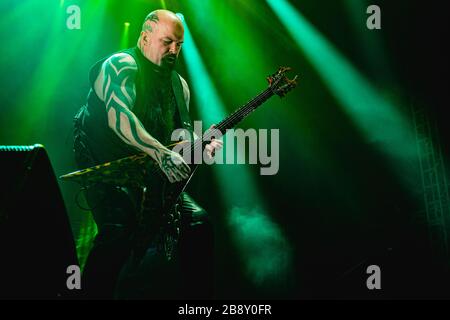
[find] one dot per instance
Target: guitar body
(159, 220)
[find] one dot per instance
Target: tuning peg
(294, 80)
(284, 70)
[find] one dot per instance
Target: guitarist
(135, 102)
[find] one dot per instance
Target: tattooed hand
(173, 165)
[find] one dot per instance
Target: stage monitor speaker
(36, 241)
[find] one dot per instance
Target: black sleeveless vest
(159, 105)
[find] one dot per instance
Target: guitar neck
(240, 114)
(233, 119)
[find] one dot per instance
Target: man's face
(162, 46)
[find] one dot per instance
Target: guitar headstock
(279, 83)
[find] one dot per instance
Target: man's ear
(144, 37)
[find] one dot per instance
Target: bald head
(164, 16)
(161, 37)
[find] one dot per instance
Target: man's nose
(173, 48)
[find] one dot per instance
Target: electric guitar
(159, 219)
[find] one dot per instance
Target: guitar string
(245, 110)
(249, 107)
(241, 112)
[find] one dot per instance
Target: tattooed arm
(115, 86)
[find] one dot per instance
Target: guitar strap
(181, 104)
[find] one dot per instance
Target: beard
(169, 62)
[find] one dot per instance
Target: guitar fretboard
(233, 119)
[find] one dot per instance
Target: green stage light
(370, 43)
(125, 38)
(61, 49)
(378, 119)
(264, 250)
(49, 79)
(239, 56)
(84, 240)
